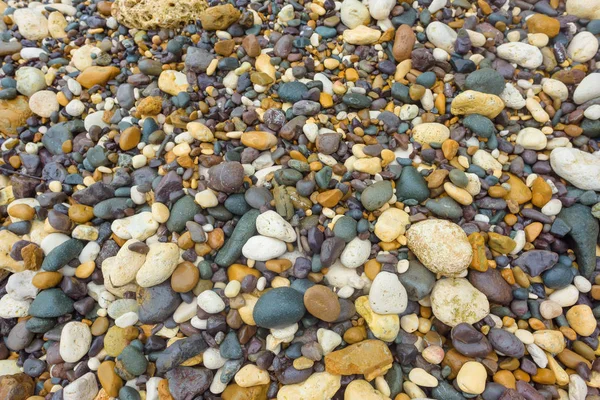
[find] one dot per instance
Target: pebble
(471, 377)
(75, 340)
(455, 300)
(532, 139)
(320, 385)
(32, 23)
(361, 35)
(272, 225)
(263, 248)
(161, 260)
(577, 167)
(387, 295)
(450, 257)
(587, 89)
(441, 35)
(278, 308)
(321, 302)
(583, 47)
(523, 54)
(353, 13)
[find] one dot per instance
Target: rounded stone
(278, 308)
(455, 300)
(440, 245)
(321, 302)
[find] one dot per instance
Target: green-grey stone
(485, 80)
(583, 236)
(445, 391)
(278, 308)
(40, 325)
(129, 393)
(393, 377)
(480, 125)
(236, 204)
(324, 176)
(400, 92)
(426, 79)
(133, 360)
(411, 185)
(111, 208)
(445, 207)
(230, 348)
(244, 230)
(220, 213)
(298, 165)
(345, 228)
(357, 100)
(96, 156)
(55, 137)
(51, 303)
(557, 277)
(287, 176)
(62, 254)
(459, 178)
(376, 195)
(591, 128)
(183, 210)
(417, 280)
(292, 92)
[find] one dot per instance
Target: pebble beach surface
(299, 200)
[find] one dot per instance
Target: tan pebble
(460, 195)
(321, 302)
(110, 381)
(185, 277)
(581, 319)
(370, 358)
(46, 279)
(160, 212)
(130, 137)
(22, 211)
(472, 377)
(251, 375)
(433, 354)
(85, 270)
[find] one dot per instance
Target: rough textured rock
(370, 358)
(450, 256)
(147, 14)
(13, 114)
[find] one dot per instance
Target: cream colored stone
(361, 35)
(391, 224)
(430, 132)
(319, 386)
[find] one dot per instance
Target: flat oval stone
(506, 343)
(278, 308)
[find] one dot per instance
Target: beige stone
(147, 14)
(361, 35)
(455, 300)
(449, 256)
(473, 102)
(391, 224)
(319, 386)
(384, 327)
(360, 389)
(471, 377)
(430, 132)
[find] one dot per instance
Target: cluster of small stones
(299, 200)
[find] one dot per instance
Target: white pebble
(75, 108)
(210, 302)
(582, 284)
